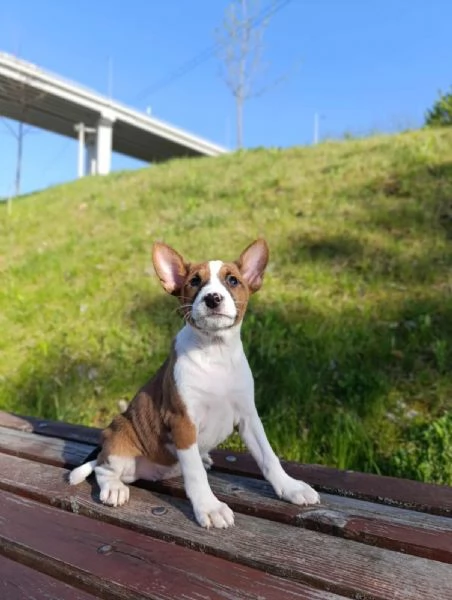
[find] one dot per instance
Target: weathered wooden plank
(387, 527)
(19, 582)
(256, 497)
(15, 421)
(435, 499)
(52, 451)
(364, 508)
(435, 545)
(59, 429)
(322, 561)
(119, 563)
(397, 529)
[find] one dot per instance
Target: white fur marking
(110, 477)
(206, 506)
(287, 488)
(214, 380)
(224, 315)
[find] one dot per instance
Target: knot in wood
(158, 511)
(105, 549)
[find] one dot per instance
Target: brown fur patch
(183, 431)
(240, 293)
(170, 267)
(156, 417)
(253, 262)
(189, 291)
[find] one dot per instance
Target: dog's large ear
(252, 263)
(170, 267)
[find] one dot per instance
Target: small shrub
(425, 453)
(440, 115)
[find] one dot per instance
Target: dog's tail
(122, 405)
(82, 472)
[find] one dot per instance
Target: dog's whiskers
(183, 309)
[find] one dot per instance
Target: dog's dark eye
(232, 281)
(195, 281)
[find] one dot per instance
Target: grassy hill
(350, 338)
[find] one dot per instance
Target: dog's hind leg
(111, 477)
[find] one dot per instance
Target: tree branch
(241, 43)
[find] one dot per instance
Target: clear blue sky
(365, 65)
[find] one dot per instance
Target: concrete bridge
(37, 97)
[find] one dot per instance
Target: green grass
(350, 338)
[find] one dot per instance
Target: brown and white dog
(203, 390)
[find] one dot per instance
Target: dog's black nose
(213, 300)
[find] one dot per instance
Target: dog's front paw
(297, 492)
(114, 493)
(214, 514)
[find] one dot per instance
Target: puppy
(201, 392)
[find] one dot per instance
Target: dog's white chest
(216, 385)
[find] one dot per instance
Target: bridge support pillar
(80, 129)
(96, 143)
(91, 155)
(104, 144)
(86, 160)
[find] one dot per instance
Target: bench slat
(121, 564)
(425, 497)
(435, 499)
(333, 564)
(51, 451)
(59, 429)
(19, 582)
(396, 529)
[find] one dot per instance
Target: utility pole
(227, 131)
(22, 97)
(18, 134)
(316, 128)
(20, 144)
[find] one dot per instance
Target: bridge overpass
(101, 125)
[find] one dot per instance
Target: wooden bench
(371, 538)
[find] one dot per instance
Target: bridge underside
(55, 114)
(102, 125)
